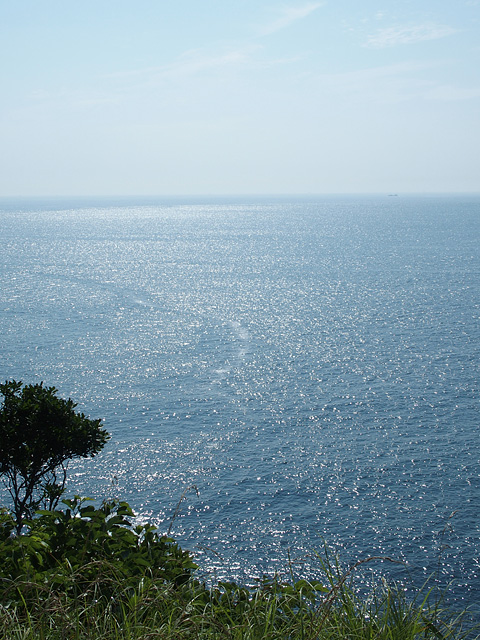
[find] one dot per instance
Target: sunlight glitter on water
(312, 368)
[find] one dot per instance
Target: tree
(39, 434)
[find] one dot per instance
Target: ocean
(295, 371)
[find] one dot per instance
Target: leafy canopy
(39, 433)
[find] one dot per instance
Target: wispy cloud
(118, 87)
(450, 93)
(216, 60)
(197, 60)
(201, 63)
(392, 36)
(387, 83)
(290, 15)
(192, 63)
(392, 84)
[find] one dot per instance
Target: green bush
(82, 545)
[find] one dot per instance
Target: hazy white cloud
(450, 93)
(116, 88)
(201, 62)
(290, 15)
(192, 62)
(197, 60)
(391, 84)
(387, 81)
(392, 36)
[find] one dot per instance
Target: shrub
(81, 546)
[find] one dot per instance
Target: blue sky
(105, 97)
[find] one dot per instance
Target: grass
(86, 573)
(148, 610)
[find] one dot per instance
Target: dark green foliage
(39, 433)
(72, 549)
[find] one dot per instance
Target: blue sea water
(305, 370)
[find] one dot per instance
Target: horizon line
(245, 195)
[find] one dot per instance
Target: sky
(233, 97)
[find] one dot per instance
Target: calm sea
(305, 370)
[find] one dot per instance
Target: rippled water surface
(310, 366)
